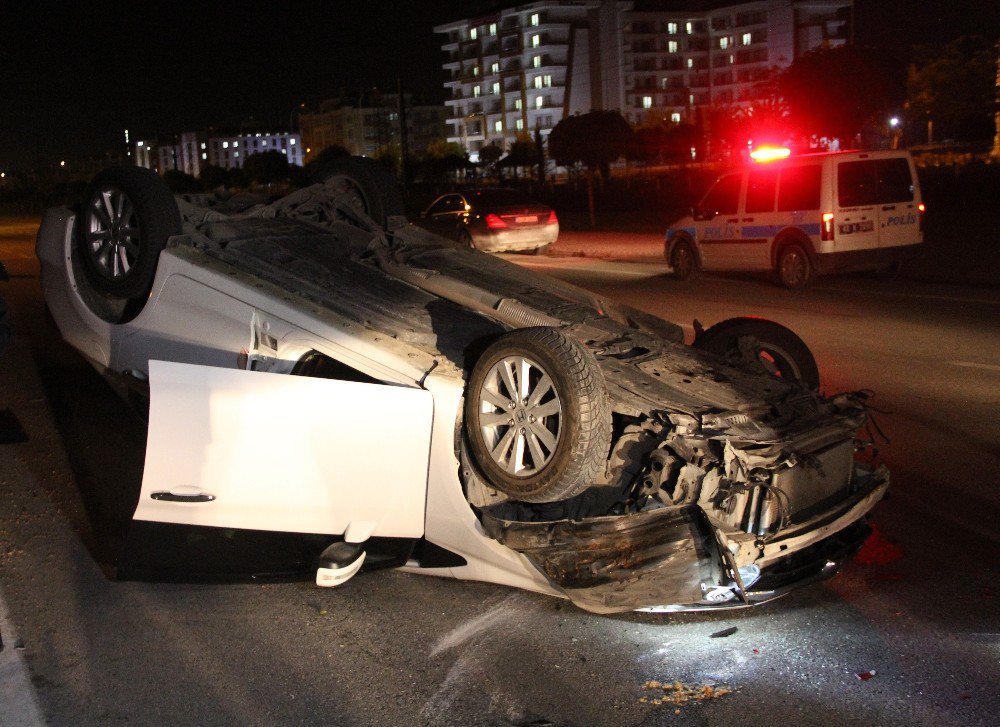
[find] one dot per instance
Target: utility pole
(404, 141)
(996, 108)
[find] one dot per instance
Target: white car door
(247, 449)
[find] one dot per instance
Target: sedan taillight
(553, 220)
(494, 222)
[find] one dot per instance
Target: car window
(761, 184)
(723, 197)
(894, 181)
(856, 184)
(799, 188)
(448, 203)
(489, 198)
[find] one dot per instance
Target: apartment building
(529, 66)
(515, 71)
(368, 125)
(191, 151)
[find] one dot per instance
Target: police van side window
(724, 197)
(761, 184)
(856, 184)
(798, 188)
(894, 181)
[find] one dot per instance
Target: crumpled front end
(712, 517)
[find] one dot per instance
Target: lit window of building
(536, 62)
(675, 117)
(473, 33)
(519, 125)
(540, 102)
(498, 127)
(538, 82)
(647, 102)
(534, 19)
(672, 46)
(225, 145)
(496, 89)
(672, 28)
(495, 68)
(493, 28)
(475, 91)
(690, 62)
(536, 40)
(517, 104)
(688, 27)
(746, 39)
(723, 43)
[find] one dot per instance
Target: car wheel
(538, 416)
(794, 269)
(126, 217)
(682, 260)
(764, 345)
(366, 187)
(543, 250)
(465, 240)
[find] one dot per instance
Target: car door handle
(183, 494)
(887, 208)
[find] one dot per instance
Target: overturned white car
(317, 365)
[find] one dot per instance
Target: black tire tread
(589, 451)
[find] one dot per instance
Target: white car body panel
(271, 452)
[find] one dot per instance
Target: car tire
(543, 250)
(369, 187)
(465, 240)
(126, 218)
(562, 403)
(794, 268)
(683, 262)
(762, 344)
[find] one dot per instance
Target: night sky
(75, 74)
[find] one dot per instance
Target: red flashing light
(770, 153)
(494, 222)
(553, 220)
(920, 216)
(826, 231)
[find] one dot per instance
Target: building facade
(366, 127)
(191, 151)
(516, 71)
(529, 66)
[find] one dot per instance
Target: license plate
(525, 219)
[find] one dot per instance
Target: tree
(266, 167)
(442, 158)
(953, 87)
(835, 92)
(316, 167)
(180, 182)
(213, 177)
(489, 155)
(390, 156)
(594, 139)
(522, 153)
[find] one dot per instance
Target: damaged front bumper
(677, 558)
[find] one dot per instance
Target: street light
(62, 163)
(894, 121)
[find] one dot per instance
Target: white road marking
(975, 365)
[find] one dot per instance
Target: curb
(18, 701)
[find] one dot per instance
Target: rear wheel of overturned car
(764, 345)
(538, 416)
(367, 187)
(683, 262)
(794, 268)
(126, 217)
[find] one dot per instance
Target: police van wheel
(683, 262)
(794, 268)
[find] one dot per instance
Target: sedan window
(448, 203)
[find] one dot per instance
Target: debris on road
(679, 693)
(724, 633)
(865, 675)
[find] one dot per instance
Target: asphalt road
(920, 610)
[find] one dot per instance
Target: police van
(803, 216)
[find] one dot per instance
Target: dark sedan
(493, 220)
